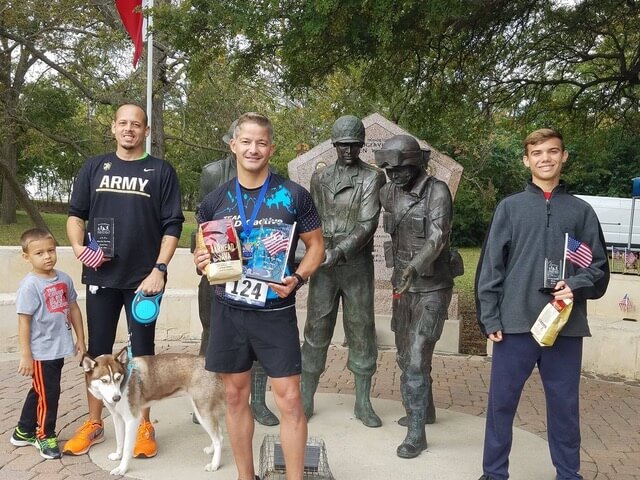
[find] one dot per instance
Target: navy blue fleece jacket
(525, 229)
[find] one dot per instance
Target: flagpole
(149, 71)
(564, 257)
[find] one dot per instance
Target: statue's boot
(416, 439)
(363, 409)
(259, 408)
(308, 386)
(430, 417)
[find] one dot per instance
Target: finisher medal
(247, 251)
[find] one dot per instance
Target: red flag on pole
(131, 14)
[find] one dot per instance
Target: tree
(80, 51)
(40, 40)
(582, 59)
(459, 73)
(519, 56)
(45, 161)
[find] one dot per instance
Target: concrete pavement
(353, 451)
(610, 410)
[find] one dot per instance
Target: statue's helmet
(347, 129)
(226, 138)
(401, 150)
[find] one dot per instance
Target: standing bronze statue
(213, 175)
(346, 195)
(417, 214)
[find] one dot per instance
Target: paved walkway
(610, 413)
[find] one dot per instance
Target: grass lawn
(472, 341)
(466, 281)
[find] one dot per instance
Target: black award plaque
(553, 273)
(104, 235)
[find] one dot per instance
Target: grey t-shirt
(48, 302)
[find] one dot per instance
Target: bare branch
(52, 136)
(29, 45)
(191, 144)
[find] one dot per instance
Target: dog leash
(130, 366)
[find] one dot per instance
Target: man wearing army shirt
(135, 197)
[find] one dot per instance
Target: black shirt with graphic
(285, 202)
(143, 198)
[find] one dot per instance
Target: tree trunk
(21, 195)
(9, 156)
(159, 87)
(8, 211)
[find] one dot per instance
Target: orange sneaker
(87, 435)
(146, 446)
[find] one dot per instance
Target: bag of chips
(220, 238)
(553, 317)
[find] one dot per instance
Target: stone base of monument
(353, 450)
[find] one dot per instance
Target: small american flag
(578, 253)
(625, 304)
(92, 255)
(275, 243)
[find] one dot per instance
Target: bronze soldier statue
(213, 175)
(346, 195)
(417, 214)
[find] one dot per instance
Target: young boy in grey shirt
(47, 310)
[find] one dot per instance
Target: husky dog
(127, 385)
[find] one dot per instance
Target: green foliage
(493, 169)
(48, 164)
(582, 61)
(308, 121)
(604, 162)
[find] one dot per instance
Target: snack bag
(550, 321)
(220, 238)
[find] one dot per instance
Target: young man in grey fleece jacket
(526, 235)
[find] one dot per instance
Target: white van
(614, 214)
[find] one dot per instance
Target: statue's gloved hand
(332, 256)
(408, 275)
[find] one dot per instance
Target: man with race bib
(254, 320)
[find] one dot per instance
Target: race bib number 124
(247, 290)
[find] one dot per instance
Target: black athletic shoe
(23, 439)
(49, 447)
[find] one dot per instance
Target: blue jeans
(513, 361)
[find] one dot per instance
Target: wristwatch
(301, 281)
(161, 266)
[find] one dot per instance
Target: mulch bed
(472, 341)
